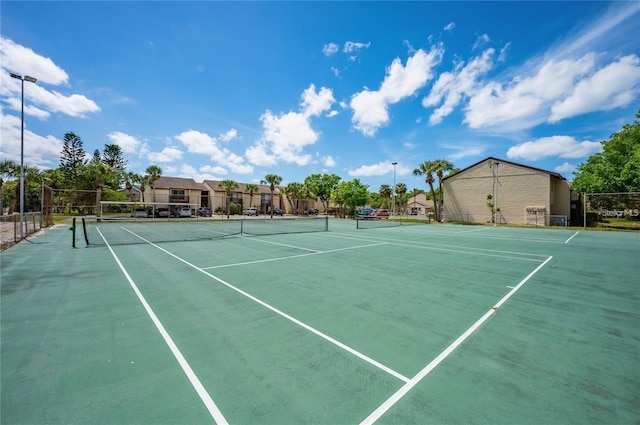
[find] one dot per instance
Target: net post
(84, 231)
(326, 223)
(73, 232)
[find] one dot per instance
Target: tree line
(615, 169)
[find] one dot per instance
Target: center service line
(283, 314)
(215, 413)
(384, 407)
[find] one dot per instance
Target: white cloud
(379, 169)
(285, 136)
(166, 155)
(328, 161)
(452, 87)
(217, 170)
(464, 150)
(229, 135)
(525, 100)
(20, 60)
(315, 103)
(576, 76)
(42, 102)
(450, 27)
(565, 168)
(330, 49)
(370, 108)
(481, 41)
(201, 143)
(43, 152)
(351, 46)
(615, 85)
(257, 155)
(127, 143)
(561, 146)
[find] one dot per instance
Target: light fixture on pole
(31, 80)
(393, 200)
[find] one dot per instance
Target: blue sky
(238, 90)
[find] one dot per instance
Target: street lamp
(31, 80)
(393, 200)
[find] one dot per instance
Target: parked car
(278, 211)
(204, 212)
(139, 213)
(184, 212)
(364, 213)
(312, 211)
(162, 212)
(250, 211)
(382, 213)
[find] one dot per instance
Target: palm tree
(426, 169)
(229, 186)
(31, 175)
(401, 190)
(129, 180)
(273, 180)
(144, 181)
(438, 166)
(154, 172)
(251, 188)
(10, 170)
(385, 193)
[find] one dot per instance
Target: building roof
(178, 183)
(551, 173)
(262, 188)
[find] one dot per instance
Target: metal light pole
(393, 200)
(31, 80)
(495, 200)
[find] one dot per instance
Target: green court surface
(420, 324)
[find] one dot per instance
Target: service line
(282, 313)
(288, 257)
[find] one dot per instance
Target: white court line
(286, 245)
(282, 313)
(215, 413)
(469, 231)
(574, 235)
(288, 257)
(384, 407)
(458, 250)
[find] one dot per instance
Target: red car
(380, 213)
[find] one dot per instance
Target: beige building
(504, 192)
(177, 190)
(187, 192)
(419, 205)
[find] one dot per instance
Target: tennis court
(417, 324)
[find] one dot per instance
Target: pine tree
(112, 156)
(73, 157)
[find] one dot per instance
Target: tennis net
(97, 232)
